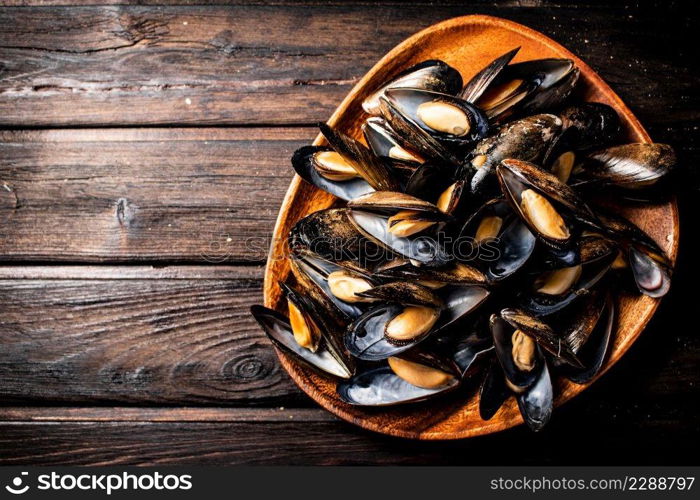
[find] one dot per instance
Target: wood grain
(312, 437)
(183, 195)
(138, 65)
(142, 337)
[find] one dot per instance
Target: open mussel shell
(537, 403)
(588, 334)
(543, 334)
(331, 235)
(369, 338)
(554, 288)
(404, 293)
(384, 142)
(306, 164)
(527, 139)
(629, 166)
(403, 224)
(467, 347)
(650, 266)
(338, 281)
(451, 121)
(549, 207)
(475, 87)
(528, 87)
(409, 378)
(370, 167)
(504, 243)
(434, 75)
(521, 362)
(279, 331)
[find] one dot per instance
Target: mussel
(434, 75)
(407, 378)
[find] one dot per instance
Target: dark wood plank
(186, 195)
(147, 337)
(304, 437)
(215, 65)
(139, 335)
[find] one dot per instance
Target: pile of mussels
(471, 241)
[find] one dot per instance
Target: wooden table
(144, 153)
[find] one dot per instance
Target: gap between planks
(132, 272)
(25, 414)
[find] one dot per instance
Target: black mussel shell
(370, 167)
(459, 302)
(302, 161)
(493, 392)
(504, 254)
(454, 274)
(502, 334)
(406, 293)
(382, 387)
(589, 337)
(371, 218)
(629, 166)
(588, 125)
(277, 328)
(527, 139)
(537, 403)
(515, 176)
(543, 334)
(473, 89)
(384, 142)
(365, 338)
(532, 86)
(410, 102)
(470, 350)
(434, 75)
(332, 236)
(312, 267)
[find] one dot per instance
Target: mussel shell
(456, 274)
(527, 139)
(365, 339)
(388, 203)
(331, 235)
(475, 87)
(493, 391)
(407, 102)
(302, 161)
(515, 176)
(589, 125)
(653, 277)
(425, 247)
(432, 75)
(593, 350)
(502, 334)
(279, 331)
(510, 250)
(316, 269)
(459, 301)
(405, 293)
(537, 403)
(370, 167)
(382, 387)
(429, 180)
(545, 84)
(583, 320)
(629, 166)
(543, 334)
(470, 350)
(381, 139)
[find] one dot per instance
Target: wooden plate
(467, 43)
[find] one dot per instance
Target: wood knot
(245, 368)
(124, 211)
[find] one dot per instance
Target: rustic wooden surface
(137, 140)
